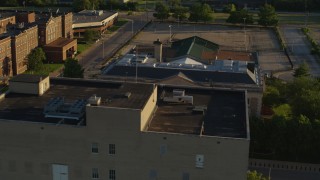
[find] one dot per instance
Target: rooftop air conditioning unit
(94, 100)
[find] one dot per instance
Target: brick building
(23, 41)
(67, 30)
(5, 56)
(26, 17)
(55, 33)
(5, 22)
(21, 32)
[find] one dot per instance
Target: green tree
(88, 4)
(81, 4)
(173, 3)
(271, 96)
(268, 16)
(201, 12)
(90, 35)
(72, 69)
(242, 16)
(180, 12)
(302, 70)
(229, 8)
(162, 11)
(36, 59)
(254, 175)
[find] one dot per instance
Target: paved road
(281, 174)
(92, 59)
(300, 49)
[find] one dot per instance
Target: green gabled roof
(193, 46)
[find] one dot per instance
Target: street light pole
(170, 32)
(245, 33)
(132, 28)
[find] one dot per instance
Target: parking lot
(261, 40)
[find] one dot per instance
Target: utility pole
(307, 14)
(102, 48)
(132, 28)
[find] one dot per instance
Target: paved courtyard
(263, 41)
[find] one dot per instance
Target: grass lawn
(117, 25)
(82, 47)
(298, 18)
(47, 68)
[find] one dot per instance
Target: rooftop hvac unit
(199, 109)
(127, 95)
(178, 92)
(94, 100)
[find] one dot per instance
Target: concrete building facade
(129, 131)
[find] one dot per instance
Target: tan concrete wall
(30, 88)
(149, 108)
(44, 85)
(38, 145)
(25, 88)
(255, 103)
(224, 158)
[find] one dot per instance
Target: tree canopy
(229, 8)
(268, 16)
(241, 16)
(90, 35)
(254, 175)
(302, 70)
(201, 12)
(293, 132)
(180, 12)
(88, 4)
(72, 69)
(162, 11)
(35, 59)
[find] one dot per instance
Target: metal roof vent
(94, 100)
(127, 95)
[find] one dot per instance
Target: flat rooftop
(24, 107)
(225, 114)
(93, 17)
(60, 42)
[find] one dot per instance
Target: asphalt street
(300, 48)
(92, 59)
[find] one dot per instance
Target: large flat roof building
(87, 129)
(98, 20)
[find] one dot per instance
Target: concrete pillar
(158, 50)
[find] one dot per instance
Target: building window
(112, 149)
(95, 173)
(95, 148)
(112, 174)
(185, 176)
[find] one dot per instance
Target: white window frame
(112, 174)
(95, 173)
(95, 148)
(112, 149)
